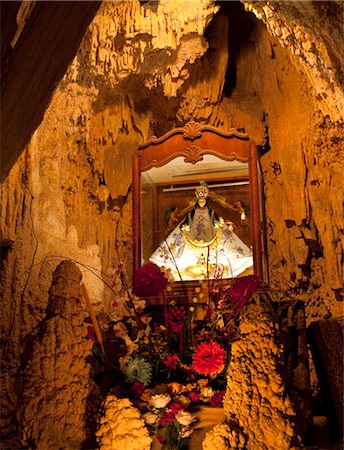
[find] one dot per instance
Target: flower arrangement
(171, 363)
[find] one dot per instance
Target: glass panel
(192, 239)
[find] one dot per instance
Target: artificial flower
(176, 318)
(149, 280)
(167, 417)
(139, 304)
(145, 318)
(194, 396)
(120, 329)
(150, 418)
(137, 389)
(147, 394)
(171, 361)
(138, 369)
(190, 387)
(183, 400)
(206, 394)
(185, 418)
(217, 399)
(160, 400)
(209, 358)
(242, 291)
(175, 388)
(186, 432)
(202, 382)
(116, 316)
(174, 407)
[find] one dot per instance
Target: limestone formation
(310, 32)
(58, 403)
(255, 396)
(142, 69)
(121, 426)
(223, 437)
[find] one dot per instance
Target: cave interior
(84, 85)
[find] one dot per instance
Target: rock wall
(142, 69)
(57, 401)
(122, 426)
(255, 399)
(69, 195)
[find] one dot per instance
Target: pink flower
(242, 291)
(149, 280)
(171, 361)
(175, 407)
(176, 318)
(209, 358)
(217, 399)
(137, 389)
(194, 396)
(168, 416)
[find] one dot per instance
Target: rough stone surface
(255, 398)
(311, 31)
(222, 437)
(142, 69)
(121, 426)
(58, 401)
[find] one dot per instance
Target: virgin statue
(202, 245)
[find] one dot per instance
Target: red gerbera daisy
(209, 358)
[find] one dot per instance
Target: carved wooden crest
(192, 130)
(193, 154)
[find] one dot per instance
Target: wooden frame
(192, 142)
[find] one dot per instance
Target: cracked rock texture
(121, 426)
(255, 398)
(58, 401)
(222, 437)
(142, 69)
(311, 32)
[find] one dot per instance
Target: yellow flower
(195, 299)
(175, 388)
(203, 382)
(190, 387)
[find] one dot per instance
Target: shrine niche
(198, 207)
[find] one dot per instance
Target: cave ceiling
(31, 70)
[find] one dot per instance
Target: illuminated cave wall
(141, 70)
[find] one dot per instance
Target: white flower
(139, 304)
(120, 329)
(116, 316)
(206, 393)
(186, 432)
(150, 418)
(160, 400)
(184, 417)
(183, 400)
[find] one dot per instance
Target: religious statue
(202, 245)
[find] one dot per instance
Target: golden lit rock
(121, 426)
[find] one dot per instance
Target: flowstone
(255, 399)
(58, 403)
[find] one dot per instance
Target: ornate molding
(193, 154)
(192, 130)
